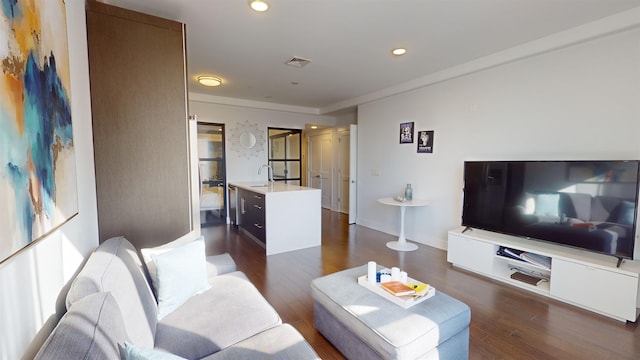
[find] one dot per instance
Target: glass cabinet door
(212, 174)
(285, 155)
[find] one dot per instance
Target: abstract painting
(37, 158)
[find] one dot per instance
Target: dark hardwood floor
(506, 323)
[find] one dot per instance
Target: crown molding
(193, 96)
(610, 25)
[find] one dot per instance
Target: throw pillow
(547, 204)
(133, 352)
(180, 274)
(147, 254)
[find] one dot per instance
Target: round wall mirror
(247, 139)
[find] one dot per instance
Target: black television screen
(590, 205)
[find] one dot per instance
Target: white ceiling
(349, 41)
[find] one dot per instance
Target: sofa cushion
(115, 267)
(133, 352)
(280, 342)
(180, 274)
(231, 311)
(92, 328)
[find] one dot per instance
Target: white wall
(33, 283)
(240, 166)
(579, 102)
(346, 118)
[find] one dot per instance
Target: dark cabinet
(252, 211)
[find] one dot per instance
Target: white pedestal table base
(402, 244)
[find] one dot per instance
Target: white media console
(581, 278)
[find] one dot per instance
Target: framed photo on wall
(406, 133)
(425, 141)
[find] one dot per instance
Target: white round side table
(402, 244)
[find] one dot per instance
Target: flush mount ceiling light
(258, 5)
(209, 81)
(297, 61)
(399, 51)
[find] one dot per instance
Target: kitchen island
(281, 217)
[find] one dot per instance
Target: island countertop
(264, 187)
(281, 217)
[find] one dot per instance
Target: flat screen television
(590, 205)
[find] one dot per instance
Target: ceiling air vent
(297, 61)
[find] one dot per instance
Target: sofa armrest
(220, 264)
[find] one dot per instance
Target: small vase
(408, 192)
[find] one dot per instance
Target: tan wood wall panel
(138, 98)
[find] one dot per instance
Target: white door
(343, 171)
(195, 181)
(353, 180)
(320, 165)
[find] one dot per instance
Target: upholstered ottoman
(364, 325)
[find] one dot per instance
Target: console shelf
(581, 278)
(504, 267)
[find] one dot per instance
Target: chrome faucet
(269, 174)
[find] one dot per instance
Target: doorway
(331, 167)
(211, 174)
(320, 165)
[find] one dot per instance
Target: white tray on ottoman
(404, 301)
(363, 325)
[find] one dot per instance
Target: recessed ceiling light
(209, 81)
(399, 51)
(259, 5)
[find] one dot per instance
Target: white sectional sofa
(112, 313)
